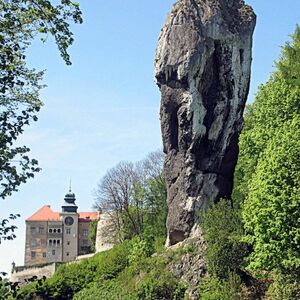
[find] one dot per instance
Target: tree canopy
(21, 22)
(267, 176)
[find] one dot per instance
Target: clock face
(69, 221)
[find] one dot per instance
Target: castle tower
(70, 217)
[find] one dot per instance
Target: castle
(58, 236)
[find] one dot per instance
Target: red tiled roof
(88, 216)
(45, 214)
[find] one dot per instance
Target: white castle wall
(105, 238)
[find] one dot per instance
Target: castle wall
(36, 243)
(84, 244)
(20, 274)
(106, 233)
(55, 241)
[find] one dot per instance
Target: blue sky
(104, 108)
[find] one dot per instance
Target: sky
(105, 107)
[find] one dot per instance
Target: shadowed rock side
(202, 68)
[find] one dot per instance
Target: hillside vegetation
(253, 249)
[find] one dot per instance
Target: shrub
(212, 288)
(71, 278)
(147, 279)
(93, 234)
(160, 285)
(284, 287)
(223, 232)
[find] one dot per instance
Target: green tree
(271, 212)
(225, 251)
(289, 62)
(20, 22)
(276, 103)
(93, 234)
(267, 175)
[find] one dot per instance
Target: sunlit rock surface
(202, 68)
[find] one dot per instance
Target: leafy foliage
(268, 170)
(289, 63)
(213, 288)
(284, 287)
(267, 174)
(110, 275)
(92, 235)
(6, 230)
(271, 211)
(71, 278)
(148, 279)
(20, 23)
(223, 231)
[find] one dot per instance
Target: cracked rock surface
(202, 68)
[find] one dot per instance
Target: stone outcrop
(202, 68)
(191, 267)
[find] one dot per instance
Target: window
(44, 254)
(33, 254)
(33, 230)
(50, 242)
(58, 242)
(54, 230)
(50, 230)
(68, 253)
(54, 242)
(68, 231)
(41, 230)
(53, 252)
(68, 242)
(58, 230)
(33, 243)
(85, 232)
(85, 243)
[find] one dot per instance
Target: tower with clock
(69, 218)
(58, 236)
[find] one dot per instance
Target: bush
(212, 288)
(271, 213)
(71, 278)
(223, 232)
(160, 285)
(93, 234)
(284, 287)
(147, 279)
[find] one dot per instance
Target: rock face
(202, 68)
(191, 268)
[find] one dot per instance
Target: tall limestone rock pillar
(202, 68)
